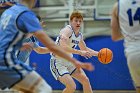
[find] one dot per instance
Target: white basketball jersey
(74, 40)
(129, 18)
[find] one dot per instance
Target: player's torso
(129, 12)
(11, 36)
(11, 39)
(73, 39)
(12, 70)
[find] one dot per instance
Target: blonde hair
(76, 14)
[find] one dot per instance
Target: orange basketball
(105, 55)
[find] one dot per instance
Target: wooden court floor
(95, 91)
(102, 91)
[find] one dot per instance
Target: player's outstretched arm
(64, 42)
(90, 52)
(48, 42)
(41, 50)
(93, 52)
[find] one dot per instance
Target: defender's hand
(86, 66)
(27, 46)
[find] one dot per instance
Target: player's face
(76, 23)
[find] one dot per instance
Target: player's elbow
(117, 37)
(114, 38)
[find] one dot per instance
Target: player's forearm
(93, 52)
(42, 50)
(62, 53)
(49, 43)
(71, 50)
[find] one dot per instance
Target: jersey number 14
(132, 18)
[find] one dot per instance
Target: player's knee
(84, 80)
(71, 86)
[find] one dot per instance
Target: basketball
(105, 55)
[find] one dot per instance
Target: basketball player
(15, 23)
(24, 55)
(125, 24)
(64, 71)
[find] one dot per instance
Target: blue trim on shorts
(56, 72)
(64, 74)
(73, 71)
(69, 73)
(54, 69)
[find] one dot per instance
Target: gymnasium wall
(113, 76)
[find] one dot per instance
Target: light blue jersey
(12, 33)
(24, 55)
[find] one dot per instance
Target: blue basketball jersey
(24, 55)
(13, 70)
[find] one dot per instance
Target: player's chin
(78, 27)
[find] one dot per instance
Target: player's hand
(27, 46)
(86, 54)
(86, 66)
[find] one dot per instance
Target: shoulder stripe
(17, 22)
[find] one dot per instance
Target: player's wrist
(95, 53)
(79, 52)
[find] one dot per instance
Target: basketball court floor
(78, 91)
(102, 91)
